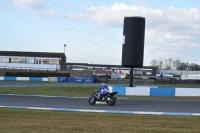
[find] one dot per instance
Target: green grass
(40, 121)
(77, 92)
(37, 121)
(52, 91)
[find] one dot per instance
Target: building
(48, 61)
(31, 60)
(145, 70)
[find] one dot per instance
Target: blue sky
(93, 30)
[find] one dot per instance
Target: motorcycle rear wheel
(92, 100)
(112, 101)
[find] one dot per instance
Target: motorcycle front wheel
(92, 100)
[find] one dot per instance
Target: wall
(50, 79)
(5, 78)
(187, 92)
(155, 91)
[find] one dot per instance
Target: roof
(31, 54)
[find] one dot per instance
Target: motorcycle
(110, 99)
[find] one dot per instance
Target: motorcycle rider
(103, 91)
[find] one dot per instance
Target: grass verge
(36, 121)
(52, 91)
(76, 92)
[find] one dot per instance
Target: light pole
(64, 48)
(187, 69)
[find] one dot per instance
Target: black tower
(133, 45)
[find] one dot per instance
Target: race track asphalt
(82, 103)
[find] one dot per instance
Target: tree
(183, 66)
(170, 63)
(154, 63)
(160, 63)
(193, 67)
(167, 64)
(177, 64)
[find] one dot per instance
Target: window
(46, 61)
(54, 61)
(38, 61)
(4, 59)
(30, 61)
(18, 60)
(51, 61)
(23, 60)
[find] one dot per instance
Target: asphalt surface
(82, 103)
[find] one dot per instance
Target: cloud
(36, 7)
(27, 4)
(93, 31)
(46, 13)
(3, 7)
(109, 16)
(174, 32)
(113, 15)
(93, 42)
(68, 5)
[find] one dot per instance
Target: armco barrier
(120, 89)
(35, 78)
(62, 79)
(78, 79)
(10, 78)
(155, 91)
(52, 79)
(22, 78)
(88, 80)
(162, 91)
(187, 92)
(1, 78)
(70, 79)
(138, 91)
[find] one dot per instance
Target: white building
(32, 60)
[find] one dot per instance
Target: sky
(93, 29)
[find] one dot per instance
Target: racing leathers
(103, 92)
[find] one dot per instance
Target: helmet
(103, 84)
